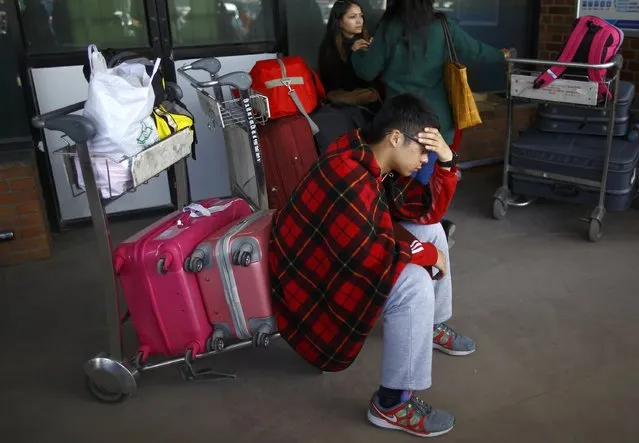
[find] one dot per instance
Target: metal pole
(181, 183)
(175, 361)
(509, 128)
(105, 257)
(609, 140)
(256, 152)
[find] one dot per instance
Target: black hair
(415, 17)
(406, 113)
(331, 47)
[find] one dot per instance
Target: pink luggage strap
(567, 54)
(594, 57)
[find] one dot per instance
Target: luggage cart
(576, 91)
(111, 377)
(237, 110)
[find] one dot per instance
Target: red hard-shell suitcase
(288, 152)
(232, 271)
(164, 300)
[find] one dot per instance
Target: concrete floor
(555, 318)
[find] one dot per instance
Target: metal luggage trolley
(577, 91)
(110, 376)
(237, 110)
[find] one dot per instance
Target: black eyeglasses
(416, 140)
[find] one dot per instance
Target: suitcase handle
(192, 210)
(565, 190)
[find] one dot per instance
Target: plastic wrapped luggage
(588, 121)
(231, 266)
(164, 300)
(578, 156)
(288, 152)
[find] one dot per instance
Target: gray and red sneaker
(412, 416)
(446, 340)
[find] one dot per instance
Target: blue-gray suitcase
(588, 121)
(573, 155)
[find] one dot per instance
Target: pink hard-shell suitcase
(231, 266)
(163, 298)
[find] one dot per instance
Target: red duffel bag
(290, 85)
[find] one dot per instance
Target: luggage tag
(196, 210)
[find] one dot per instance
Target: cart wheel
(104, 395)
(595, 230)
(499, 209)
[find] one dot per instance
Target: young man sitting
(338, 259)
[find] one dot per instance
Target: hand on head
(433, 141)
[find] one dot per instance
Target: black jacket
(338, 74)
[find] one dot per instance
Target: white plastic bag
(120, 102)
(114, 177)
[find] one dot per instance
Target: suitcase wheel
(163, 266)
(195, 261)
(215, 344)
(196, 265)
(261, 340)
(243, 256)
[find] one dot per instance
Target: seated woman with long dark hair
(345, 33)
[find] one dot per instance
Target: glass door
(14, 120)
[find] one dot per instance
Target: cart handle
(40, 121)
(197, 83)
(617, 62)
(79, 129)
(173, 91)
(210, 65)
(237, 79)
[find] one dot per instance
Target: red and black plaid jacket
(333, 257)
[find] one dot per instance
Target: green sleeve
(368, 64)
(470, 50)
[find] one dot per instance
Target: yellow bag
(462, 102)
(170, 118)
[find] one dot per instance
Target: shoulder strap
(296, 99)
(452, 54)
(579, 30)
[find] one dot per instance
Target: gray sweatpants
(415, 304)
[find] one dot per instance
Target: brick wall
(555, 21)
(22, 210)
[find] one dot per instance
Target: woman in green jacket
(408, 53)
